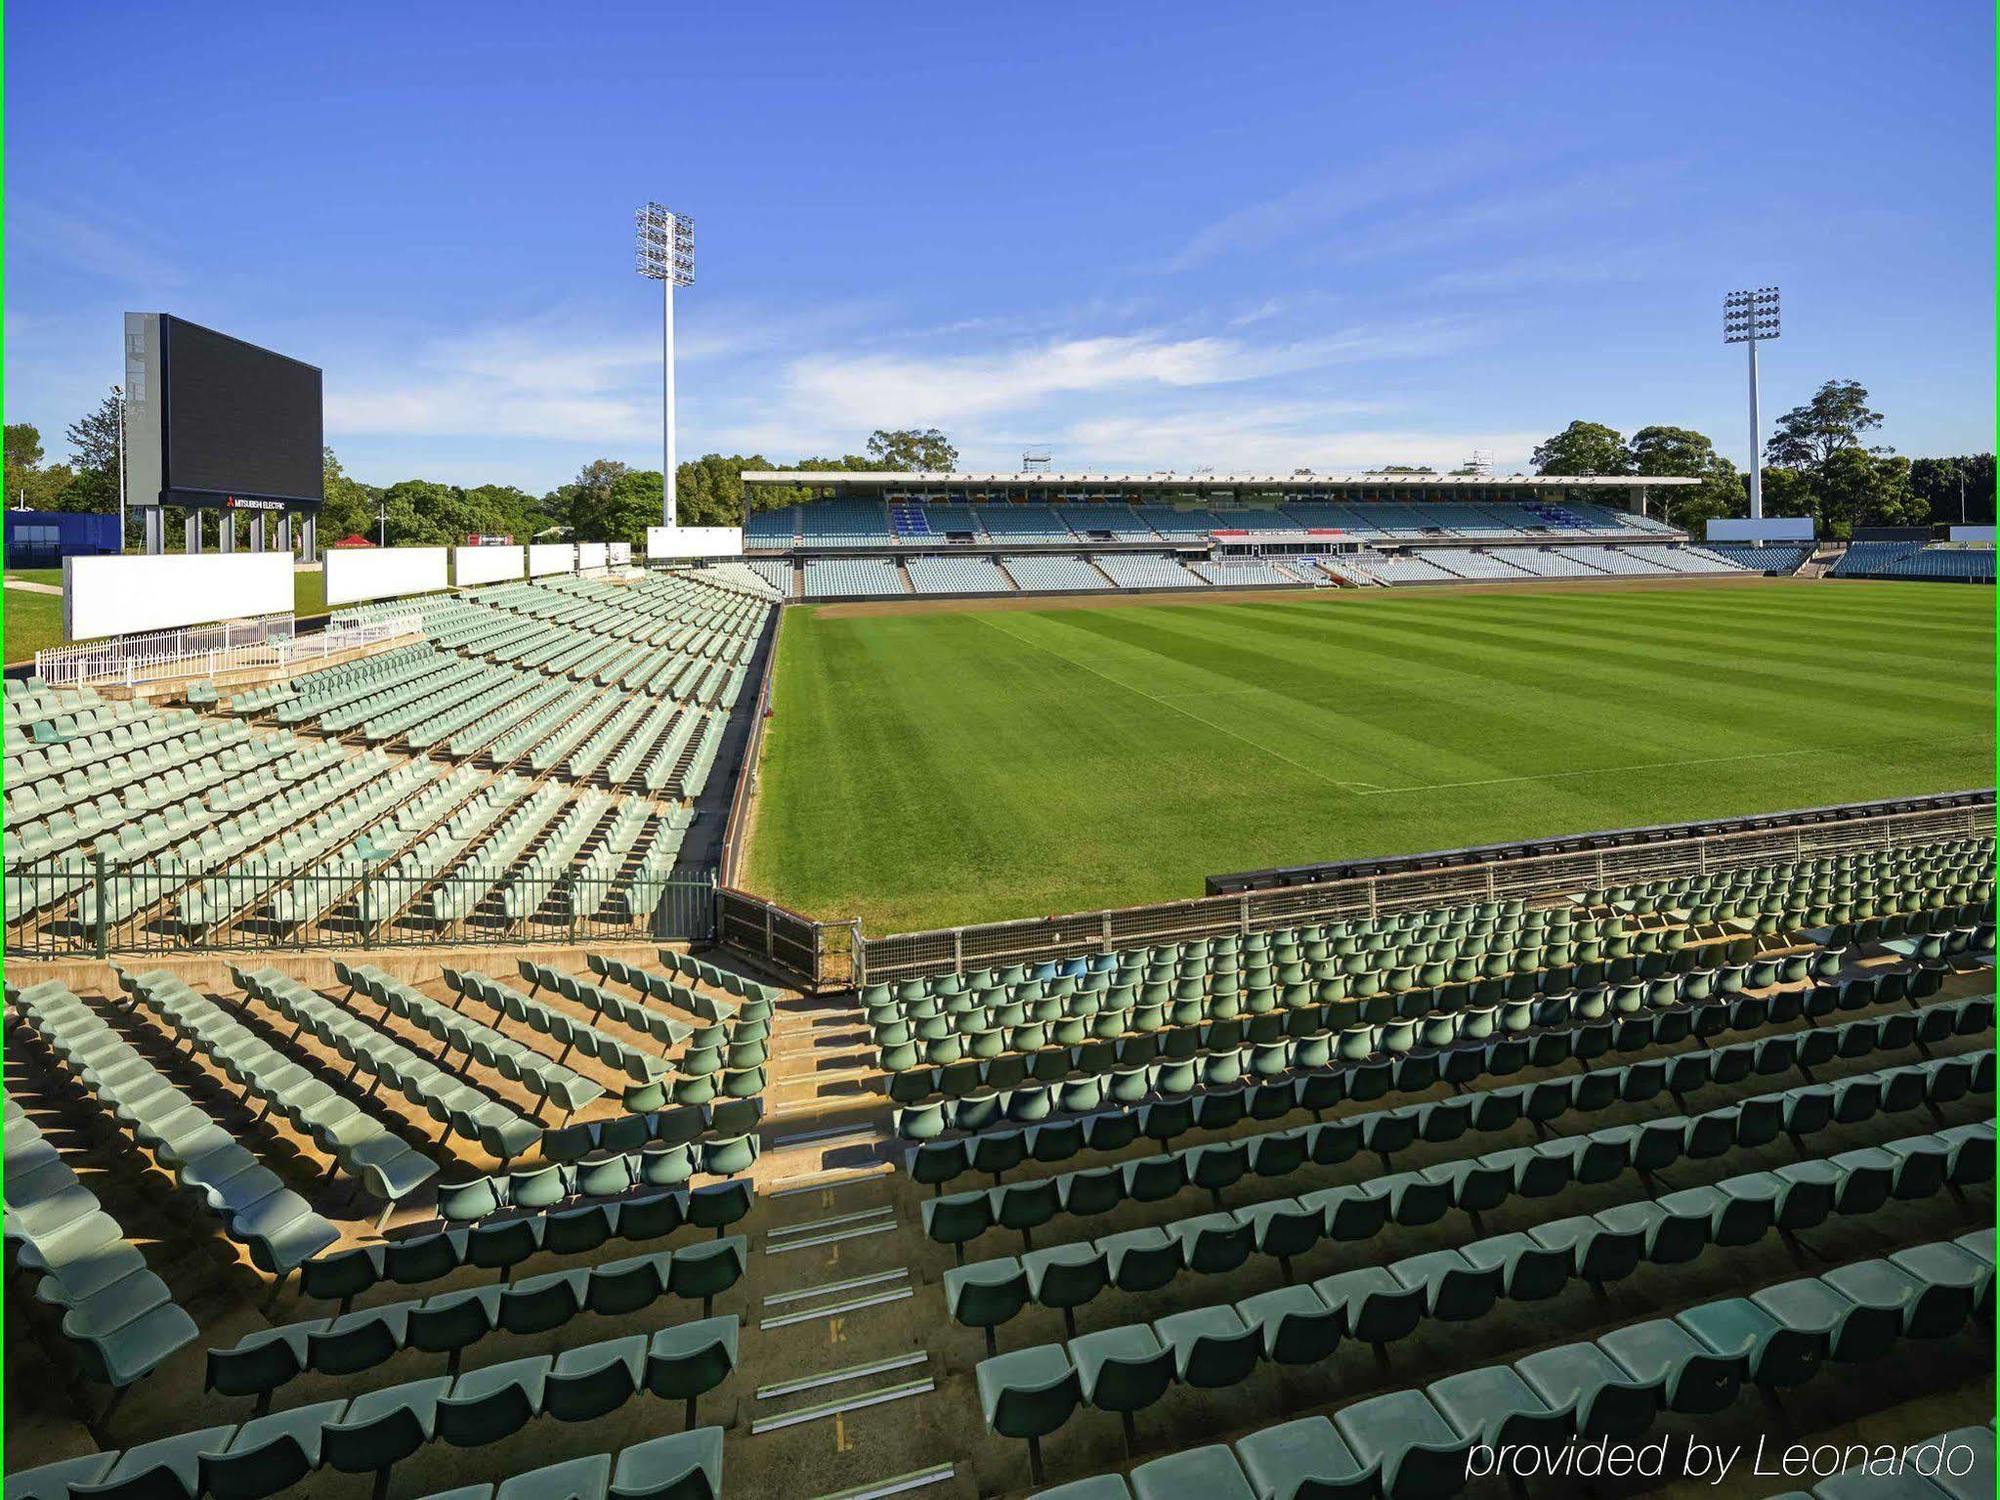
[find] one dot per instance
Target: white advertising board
(618, 554)
(1770, 529)
(551, 557)
(126, 595)
(357, 573)
(694, 541)
(1972, 533)
(589, 556)
(470, 565)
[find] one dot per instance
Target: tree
(349, 505)
(1681, 453)
(1860, 487)
(1583, 448)
(93, 441)
(911, 448)
(1404, 469)
(24, 445)
(1954, 489)
(584, 504)
(27, 483)
(1787, 492)
(1807, 437)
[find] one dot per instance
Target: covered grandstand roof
(1171, 481)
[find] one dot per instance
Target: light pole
(666, 255)
(119, 393)
(1750, 318)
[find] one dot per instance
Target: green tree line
(1818, 462)
(607, 501)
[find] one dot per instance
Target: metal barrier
(1534, 876)
(69, 906)
(1616, 838)
(816, 955)
(162, 655)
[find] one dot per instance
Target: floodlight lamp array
(1750, 316)
(665, 245)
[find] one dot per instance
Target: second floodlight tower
(1751, 318)
(666, 255)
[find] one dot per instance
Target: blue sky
(1158, 236)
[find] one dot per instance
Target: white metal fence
(211, 650)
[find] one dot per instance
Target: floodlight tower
(1750, 318)
(666, 255)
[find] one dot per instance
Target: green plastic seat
(380, 1428)
(269, 1453)
(594, 1380)
(1211, 1346)
(1686, 1375)
(169, 1467)
(1066, 1277)
(1407, 1441)
(493, 1402)
(1598, 1395)
(1210, 1473)
(574, 1479)
(679, 1466)
(986, 1294)
(1028, 1394)
(688, 1361)
(1303, 1458)
(1293, 1324)
(1494, 1406)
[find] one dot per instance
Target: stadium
(1272, 980)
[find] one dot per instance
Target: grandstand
(542, 758)
(1916, 560)
(404, 1093)
(1342, 1181)
(1040, 533)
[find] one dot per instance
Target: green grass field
(968, 765)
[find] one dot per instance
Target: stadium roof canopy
(1172, 483)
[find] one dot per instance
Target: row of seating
(959, 1218)
(988, 1293)
(277, 1226)
(513, 1060)
(1694, 1362)
(502, 1245)
(680, 1466)
(449, 1323)
(1303, 1009)
(373, 1432)
(603, 1174)
(725, 1057)
(646, 1070)
(994, 1151)
(1031, 1392)
(976, 1095)
(386, 1166)
(120, 1318)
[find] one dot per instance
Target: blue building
(43, 538)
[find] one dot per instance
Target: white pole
(1756, 441)
(667, 338)
(121, 467)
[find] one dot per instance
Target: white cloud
(1280, 437)
(116, 251)
(960, 389)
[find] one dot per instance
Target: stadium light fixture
(1750, 318)
(666, 255)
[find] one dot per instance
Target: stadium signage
(253, 502)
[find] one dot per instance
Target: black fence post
(97, 859)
